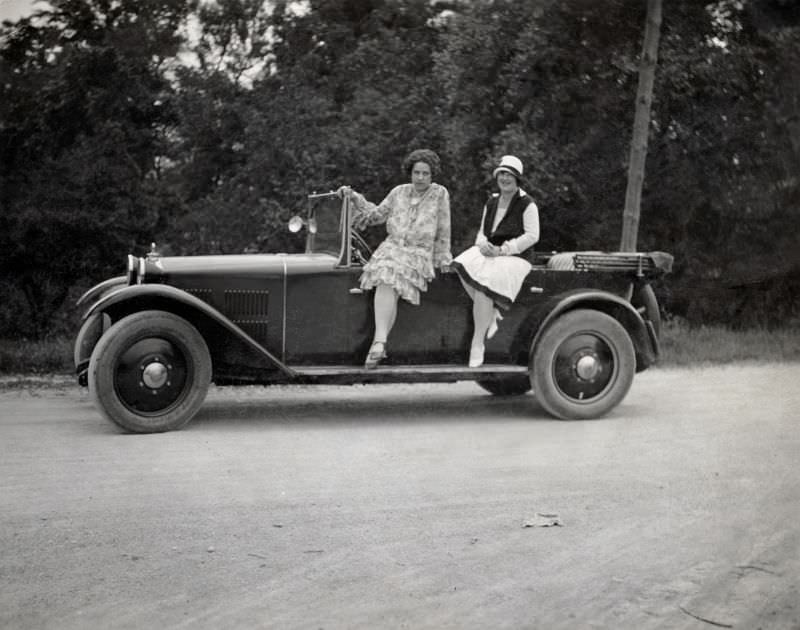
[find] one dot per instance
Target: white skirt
(499, 277)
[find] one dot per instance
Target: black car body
(153, 340)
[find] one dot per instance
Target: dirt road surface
(406, 507)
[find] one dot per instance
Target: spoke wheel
(150, 372)
(583, 365)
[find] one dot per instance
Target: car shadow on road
(360, 406)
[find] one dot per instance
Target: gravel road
(408, 506)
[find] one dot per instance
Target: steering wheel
(361, 251)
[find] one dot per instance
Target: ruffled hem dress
(418, 239)
(498, 277)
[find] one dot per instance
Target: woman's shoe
(476, 356)
(493, 326)
(377, 352)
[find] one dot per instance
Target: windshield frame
(318, 209)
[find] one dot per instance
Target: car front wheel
(583, 365)
(150, 372)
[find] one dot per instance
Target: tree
(346, 95)
(549, 82)
(641, 127)
(722, 196)
(85, 112)
(108, 140)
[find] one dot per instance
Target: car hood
(237, 264)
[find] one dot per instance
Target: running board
(348, 374)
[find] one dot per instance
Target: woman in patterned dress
(417, 218)
(492, 270)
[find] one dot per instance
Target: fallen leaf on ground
(543, 520)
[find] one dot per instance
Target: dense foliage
(202, 126)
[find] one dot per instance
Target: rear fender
(203, 316)
(645, 342)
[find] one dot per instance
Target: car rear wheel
(583, 365)
(150, 372)
(514, 385)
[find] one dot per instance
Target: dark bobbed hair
(422, 155)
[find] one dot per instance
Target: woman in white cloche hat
(492, 270)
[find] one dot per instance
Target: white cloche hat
(509, 164)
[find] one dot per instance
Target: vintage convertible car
(153, 340)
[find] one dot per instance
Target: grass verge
(683, 345)
(42, 356)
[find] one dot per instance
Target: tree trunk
(641, 126)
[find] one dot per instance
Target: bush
(42, 356)
(683, 344)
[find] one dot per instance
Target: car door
(326, 314)
(437, 331)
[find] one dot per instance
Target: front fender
(93, 328)
(134, 298)
(645, 342)
(101, 289)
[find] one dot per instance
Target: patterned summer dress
(418, 238)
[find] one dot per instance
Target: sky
(15, 9)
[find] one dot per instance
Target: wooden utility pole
(641, 127)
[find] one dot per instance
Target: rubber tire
(612, 334)
(514, 385)
(119, 338)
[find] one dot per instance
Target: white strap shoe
(493, 326)
(476, 356)
(377, 352)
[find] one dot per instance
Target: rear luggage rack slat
(614, 262)
(642, 264)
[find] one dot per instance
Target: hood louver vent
(204, 294)
(249, 311)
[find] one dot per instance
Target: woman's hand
(445, 265)
(489, 250)
(344, 191)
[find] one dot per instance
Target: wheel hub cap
(155, 375)
(587, 367)
(584, 366)
(152, 376)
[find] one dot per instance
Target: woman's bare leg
(470, 291)
(385, 311)
(482, 316)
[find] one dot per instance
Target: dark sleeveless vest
(511, 226)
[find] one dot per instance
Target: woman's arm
(367, 213)
(481, 239)
(441, 242)
(530, 235)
